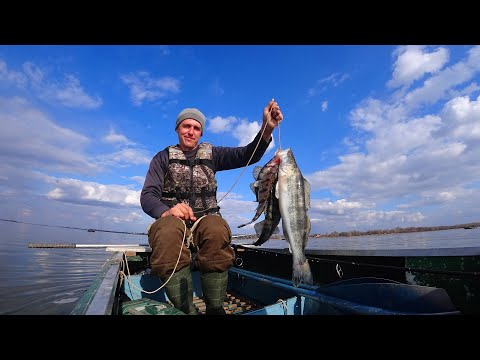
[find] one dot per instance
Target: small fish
(269, 226)
(265, 178)
(293, 193)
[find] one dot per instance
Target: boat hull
(458, 274)
(115, 292)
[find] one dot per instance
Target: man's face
(189, 132)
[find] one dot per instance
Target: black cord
(75, 228)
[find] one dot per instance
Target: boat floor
(233, 304)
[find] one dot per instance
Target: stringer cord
(127, 276)
(245, 168)
(189, 240)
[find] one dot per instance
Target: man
(180, 191)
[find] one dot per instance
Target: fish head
(287, 160)
(272, 165)
(284, 154)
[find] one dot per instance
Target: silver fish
(293, 193)
(265, 179)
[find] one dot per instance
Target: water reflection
(49, 281)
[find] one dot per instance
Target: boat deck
(233, 304)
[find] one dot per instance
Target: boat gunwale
(408, 252)
(99, 298)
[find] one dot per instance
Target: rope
(194, 226)
(284, 306)
(279, 142)
(126, 276)
(187, 243)
(245, 168)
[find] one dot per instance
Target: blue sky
(387, 136)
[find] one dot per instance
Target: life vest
(191, 182)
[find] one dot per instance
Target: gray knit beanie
(191, 113)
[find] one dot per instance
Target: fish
(269, 226)
(265, 178)
(293, 193)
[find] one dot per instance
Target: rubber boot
(214, 287)
(179, 290)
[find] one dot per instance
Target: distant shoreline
(396, 230)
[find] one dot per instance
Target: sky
(387, 135)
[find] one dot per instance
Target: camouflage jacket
(223, 158)
(191, 181)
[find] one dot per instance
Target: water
(455, 238)
(50, 281)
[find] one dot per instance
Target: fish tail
(302, 273)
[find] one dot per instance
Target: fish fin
(277, 190)
(254, 190)
(306, 187)
(258, 212)
(256, 171)
(248, 223)
(276, 231)
(240, 226)
(288, 242)
(259, 227)
(309, 226)
(302, 273)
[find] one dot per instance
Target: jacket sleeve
(153, 186)
(226, 158)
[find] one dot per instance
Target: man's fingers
(190, 213)
(183, 211)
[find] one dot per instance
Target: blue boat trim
(335, 302)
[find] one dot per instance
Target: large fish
(293, 193)
(265, 179)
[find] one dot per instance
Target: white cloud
(219, 124)
(144, 88)
(324, 105)
(127, 218)
(322, 85)
(413, 62)
(115, 138)
(87, 192)
(138, 179)
(437, 87)
(432, 158)
(125, 157)
(461, 118)
(67, 91)
(12, 77)
(30, 138)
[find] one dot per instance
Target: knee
(215, 224)
(165, 227)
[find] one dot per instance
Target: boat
(124, 286)
(456, 270)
